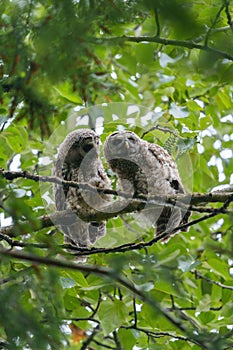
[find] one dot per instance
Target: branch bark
(126, 205)
(195, 198)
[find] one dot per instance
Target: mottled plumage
(78, 160)
(145, 168)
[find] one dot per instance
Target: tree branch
(213, 25)
(224, 286)
(118, 208)
(90, 251)
(195, 198)
(228, 14)
(90, 338)
(156, 39)
(67, 217)
(155, 335)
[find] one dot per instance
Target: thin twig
(228, 14)
(102, 345)
(117, 342)
(153, 334)
(160, 128)
(46, 222)
(224, 286)
(90, 338)
(213, 31)
(157, 23)
(155, 39)
(213, 25)
(135, 313)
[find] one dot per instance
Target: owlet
(78, 160)
(146, 168)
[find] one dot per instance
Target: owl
(145, 169)
(78, 160)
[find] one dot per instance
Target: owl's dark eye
(114, 133)
(131, 138)
(88, 147)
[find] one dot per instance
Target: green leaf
(16, 137)
(219, 267)
(67, 282)
(227, 75)
(178, 111)
(94, 283)
(65, 91)
(112, 315)
(206, 317)
(204, 304)
(127, 338)
(205, 122)
(77, 277)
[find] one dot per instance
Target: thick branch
(120, 207)
(195, 198)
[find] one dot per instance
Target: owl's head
(79, 143)
(122, 144)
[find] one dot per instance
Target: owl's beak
(126, 144)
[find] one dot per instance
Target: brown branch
(104, 346)
(116, 208)
(156, 16)
(195, 198)
(153, 334)
(164, 235)
(213, 31)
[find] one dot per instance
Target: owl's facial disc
(81, 148)
(123, 143)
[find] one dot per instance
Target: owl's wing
(96, 231)
(60, 192)
(78, 232)
(60, 195)
(166, 162)
(169, 217)
(83, 234)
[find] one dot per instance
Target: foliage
(143, 65)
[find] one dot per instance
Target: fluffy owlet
(78, 160)
(145, 168)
